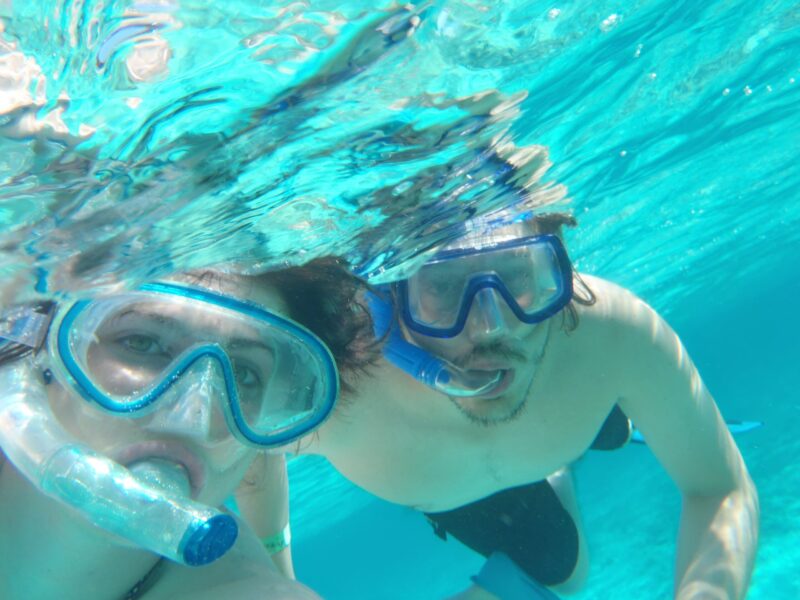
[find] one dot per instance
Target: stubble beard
(489, 421)
(517, 409)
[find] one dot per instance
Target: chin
(494, 411)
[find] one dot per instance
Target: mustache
(489, 351)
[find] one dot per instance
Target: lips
(169, 452)
(488, 365)
(501, 387)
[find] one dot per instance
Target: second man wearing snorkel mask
(501, 370)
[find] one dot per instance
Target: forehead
(250, 289)
(482, 236)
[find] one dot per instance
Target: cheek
(113, 376)
(524, 331)
(229, 459)
(67, 410)
(105, 371)
(226, 472)
(85, 423)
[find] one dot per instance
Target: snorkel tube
(102, 490)
(423, 366)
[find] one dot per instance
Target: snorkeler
(127, 419)
(502, 367)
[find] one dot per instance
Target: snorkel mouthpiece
(437, 373)
(115, 500)
(106, 493)
(209, 540)
(434, 372)
(464, 384)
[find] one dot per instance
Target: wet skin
(39, 535)
(414, 446)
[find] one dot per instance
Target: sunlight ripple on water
(140, 138)
(168, 138)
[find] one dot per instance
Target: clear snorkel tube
(434, 372)
(106, 493)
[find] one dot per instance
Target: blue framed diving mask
(532, 274)
(129, 352)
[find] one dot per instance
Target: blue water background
(672, 128)
(281, 131)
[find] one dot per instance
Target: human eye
(439, 287)
(141, 343)
(135, 345)
(247, 376)
(136, 349)
(250, 383)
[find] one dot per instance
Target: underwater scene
(147, 141)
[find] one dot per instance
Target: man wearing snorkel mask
(127, 419)
(503, 366)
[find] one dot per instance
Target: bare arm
(263, 500)
(563, 483)
(671, 406)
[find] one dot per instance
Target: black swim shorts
(528, 522)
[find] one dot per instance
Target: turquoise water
(275, 132)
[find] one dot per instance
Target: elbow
(740, 496)
(750, 494)
(747, 494)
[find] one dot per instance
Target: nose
(487, 320)
(194, 407)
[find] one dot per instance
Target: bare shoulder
(629, 329)
(615, 305)
(660, 389)
(621, 320)
(611, 325)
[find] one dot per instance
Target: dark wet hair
(322, 295)
(553, 223)
(325, 297)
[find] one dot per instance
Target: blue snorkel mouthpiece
(209, 540)
(109, 495)
(434, 372)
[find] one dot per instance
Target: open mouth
(496, 390)
(165, 464)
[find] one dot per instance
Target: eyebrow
(149, 316)
(235, 343)
(249, 344)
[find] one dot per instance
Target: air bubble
(610, 22)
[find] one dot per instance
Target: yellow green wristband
(279, 541)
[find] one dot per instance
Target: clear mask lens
(532, 276)
(125, 353)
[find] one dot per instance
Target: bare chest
(437, 459)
